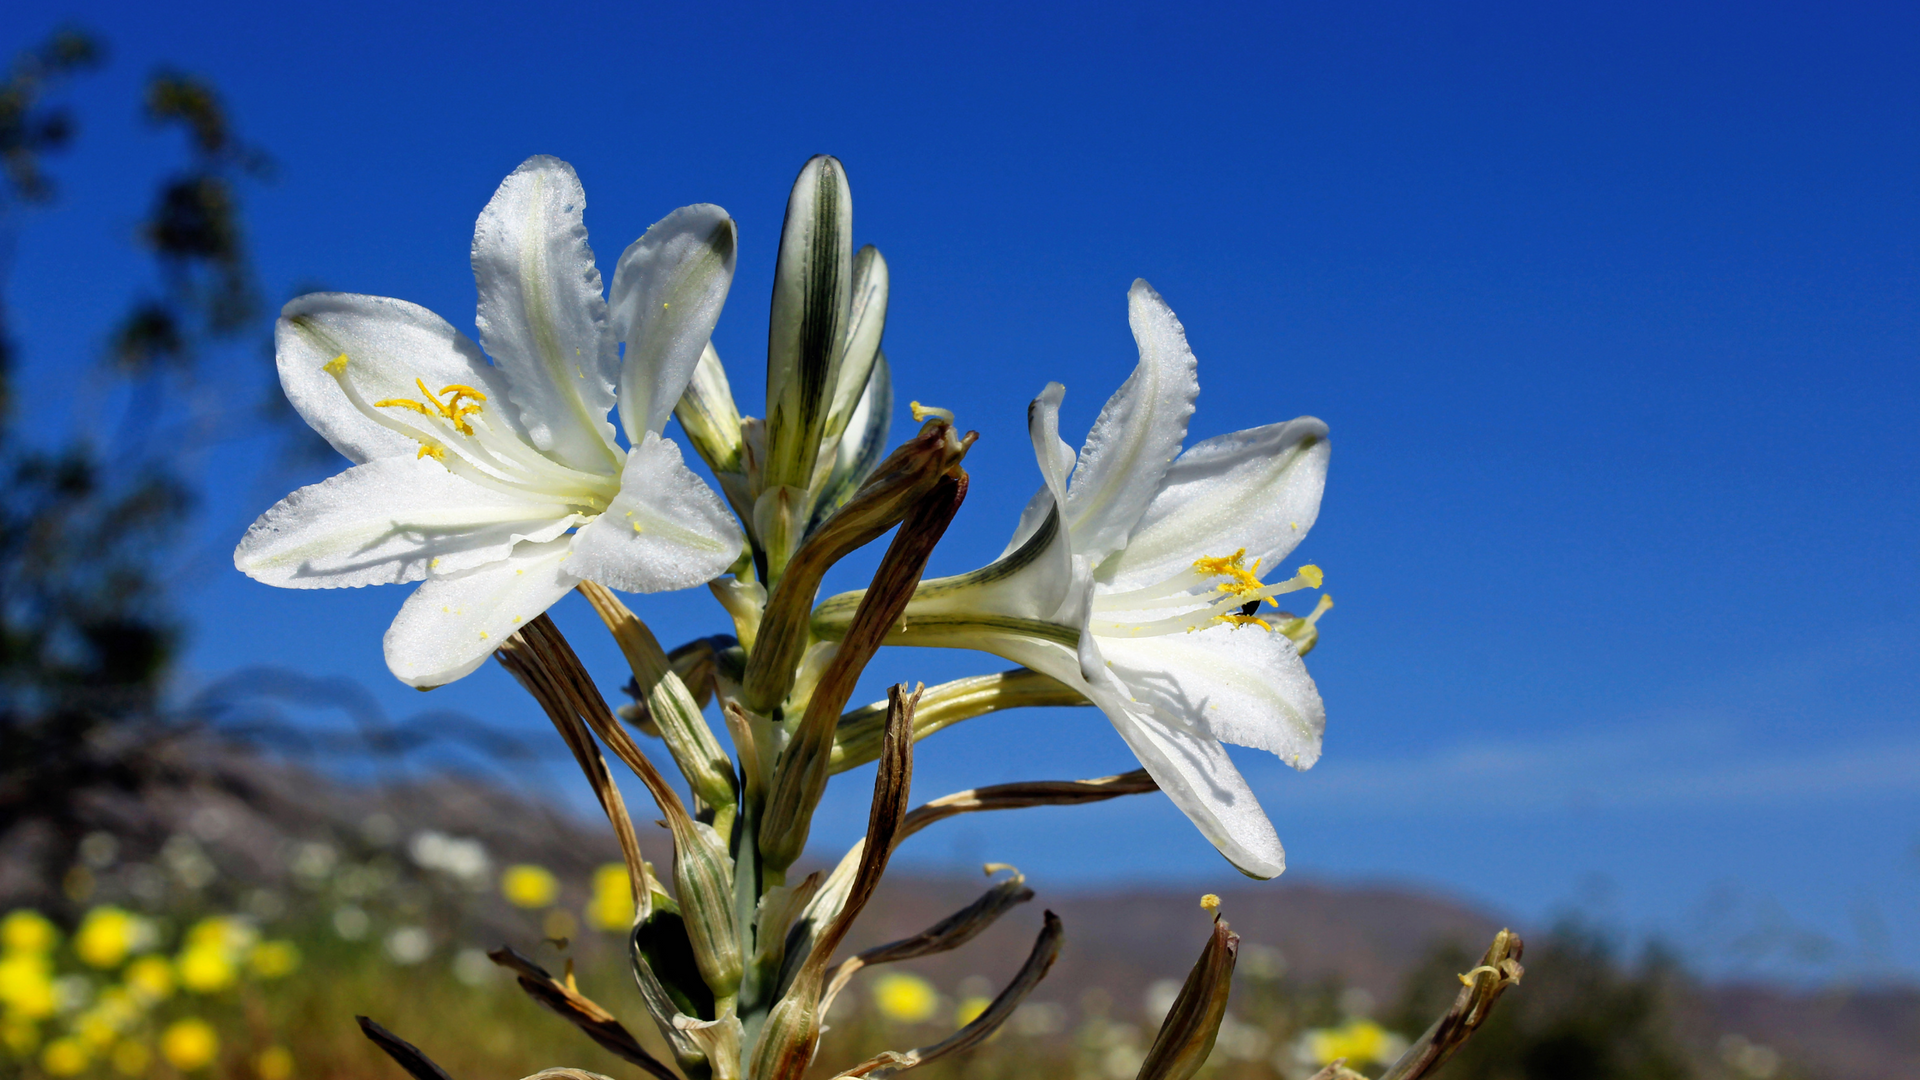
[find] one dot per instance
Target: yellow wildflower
(970, 1010)
(106, 936)
(26, 930)
(66, 1056)
(906, 999)
(26, 986)
(612, 905)
(205, 969)
(223, 932)
(274, 959)
(150, 978)
(189, 1044)
(529, 886)
(1358, 1041)
(132, 1058)
(274, 1063)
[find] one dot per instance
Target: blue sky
(1611, 309)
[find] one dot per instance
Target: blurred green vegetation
(277, 983)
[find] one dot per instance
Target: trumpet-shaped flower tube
(500, 486)
(1135, 578)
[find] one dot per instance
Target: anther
(921, 412)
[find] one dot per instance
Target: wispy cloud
(1637, 769)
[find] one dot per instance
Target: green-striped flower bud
(703, 879)
(787, 1040)
(709, 417)
(812, 285)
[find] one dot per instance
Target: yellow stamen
(450, 410)
(921, 412)
(403, 403)
(335, 366)
(1216, 565)
(1210, 902)
(1245, 620)
(437, 453)
(1242, 580)
(637, 528)
(1311, 575)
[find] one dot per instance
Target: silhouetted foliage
(85, 633)
(194, 230)
(30, 127)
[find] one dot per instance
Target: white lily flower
(1136, 583)
(501, 485)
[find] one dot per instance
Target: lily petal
(542, 317)
(1056, 461)
(392, 520)
(1194, 770)
(667, 293)
(1034, 578)
(1242, 685)
(1257, 489)
(1138, 434)
(1043, 427)
(665, 530)
(388, 344)
(450, 625)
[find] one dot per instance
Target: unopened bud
(811, 289)
(1186, 1037)
(866, 321)
(787, 1040)
(859, 449)
(709, 417)
(703, 879)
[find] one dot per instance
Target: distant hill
(1366, 937)
(251, 818)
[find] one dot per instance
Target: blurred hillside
(411, 879)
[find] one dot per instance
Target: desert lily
(500, 486)
(1134, 578)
